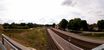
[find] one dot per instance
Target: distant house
(56, 26)
(93, 27)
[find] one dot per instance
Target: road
(51, 45)
(61, 43)
(82, 42)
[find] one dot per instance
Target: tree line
(78, 24)
(20, 26)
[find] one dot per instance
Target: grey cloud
(90, 9)
(2, 8)
(69, 2)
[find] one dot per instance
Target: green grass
(95, 35)
(99, 36)
(35, 38)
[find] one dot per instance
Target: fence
(11, 44)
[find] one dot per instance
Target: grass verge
(35, 38)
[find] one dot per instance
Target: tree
(53, 25)
(77, 24)
(71, 24)
(63, 24)
(74, 24)
(6, 25)
(23, 24)
(100, 24)
(84, 25)
(13, 26)
(30, 25)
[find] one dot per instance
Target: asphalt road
(61, 43)
(82, 42)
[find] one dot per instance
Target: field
(35, 38)
(96, 35)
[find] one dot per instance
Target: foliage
(20, 26)
(74, 24)
(30, 25)
(35, 38)
(100, 24)
(84, 25)
(63, 24)
(53, 25)
(77, 24)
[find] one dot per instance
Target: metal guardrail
(11, 44)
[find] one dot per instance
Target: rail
(11, 44)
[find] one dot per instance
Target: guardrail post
(2, 40)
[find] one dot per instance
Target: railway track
(82, 42)
(61, 43)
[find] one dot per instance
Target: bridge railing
(11, 44)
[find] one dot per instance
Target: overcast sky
(50, 11)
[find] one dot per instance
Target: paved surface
(79, 37)
(51, 44)
(80, 41)
(61, 43)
